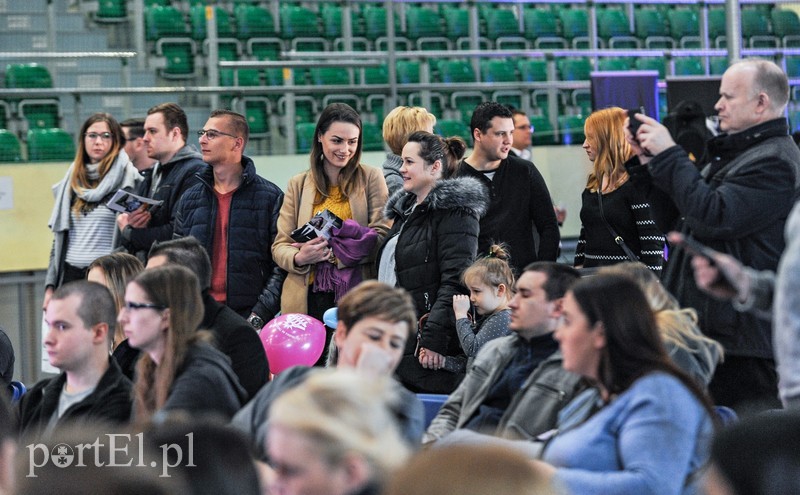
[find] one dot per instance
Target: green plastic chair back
(652, 63)
(423, 22)
(689, 66)
(540, 23)
(785, 22)
(305, 136)
(257, 117)
(532, 70)
(162, 21)
(197, 14)
(266, 50)
(611, 23)
(502, 22)
(376, 75)
(372, 135)
(449, 128)
(180, 59)
(297, 21)
(571, 127)
(683, 22)
(407, 72)
(614, 64)
(253, 21)
(718, 65)
(456, 71)
(28, 76)
(574, 23)
(111, 10)
(10, 150)
(324, 76)
(41, 115)
(543, 134)
(650, 22)
(456, 21)
(50, 144)
(574, 69)
(716, 22)
(498, 70)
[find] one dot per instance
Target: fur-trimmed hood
(466, 193)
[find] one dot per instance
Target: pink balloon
(292, 339)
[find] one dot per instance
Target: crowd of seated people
(601, 380)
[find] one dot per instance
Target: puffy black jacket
(438, 241)
(254, 284)
(177, 176)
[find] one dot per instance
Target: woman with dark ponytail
(434, 238)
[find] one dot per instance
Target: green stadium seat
(50, 145)
(575, 26)
(502, 27)
(543, 134)
(613, 27)
(423, 22)
(793, 66)
(197, 15)
(652, 27)
(10, 150)
(532, 70)
(450, 128)
(718, 65)
(456, 22)
(305, 136)
(652, 63)
(786, 27)
(498, 70)
(689, 66)
(375, 22)
(376, 75)
(716, 26)
(615, 64)
(40, 115)
(456, 71)
(574, 69)
(253, 21)
(179, 56)
(111, 11)
(164, 21)
(325, 76)
(571, 129)
(372, 136)
(541, 28)
(756, 30)
(264, 48)
(407, 72)
(684, 27)
(28, 76)
(257, 111)
(297, 21)
(274, 76)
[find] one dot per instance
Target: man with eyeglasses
(81, 317)
(523, 132)
(233, 212)
(135, 146)
(165, 132)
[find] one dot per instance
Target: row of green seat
(41, 113)
(437, 28)
(42, 145)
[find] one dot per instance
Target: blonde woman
(335, 434)
(693, 352)
(612, 203)
(397, 126)
(83, 228)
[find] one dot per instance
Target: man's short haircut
(560, 277)
(378, 300)
(770, 79)
(188, 253)
(516, 111)
(237, 122)
(485, 112)
(97, 304)
(135, 127)
(174, 116)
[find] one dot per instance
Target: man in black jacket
(232, 335)
(81, 316)
(737, 205)
(519, 199)
(234, 212)
(166, 130)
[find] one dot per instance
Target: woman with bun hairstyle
(434, 238)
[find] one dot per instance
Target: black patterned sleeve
(651, 239)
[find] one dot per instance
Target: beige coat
(298, 204)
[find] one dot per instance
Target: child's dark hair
(433, 147)
(492, 269)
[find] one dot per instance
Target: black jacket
(205, 384)
(519, 202)
(438, 241)
(110, 402)
(177, 175)
(738, 205)
(254, 284)
(239, 341)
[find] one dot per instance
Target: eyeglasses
(130, 306)
(212, 134)
(105, 136)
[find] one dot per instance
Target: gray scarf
(121, 174)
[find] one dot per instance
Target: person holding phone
(616, 225)
(737, 205)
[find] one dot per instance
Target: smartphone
(634, 122)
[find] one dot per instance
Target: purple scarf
(350, 244)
